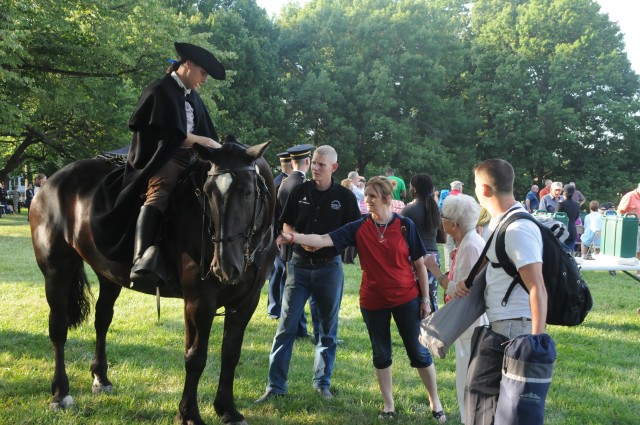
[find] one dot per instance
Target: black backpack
(569, 298)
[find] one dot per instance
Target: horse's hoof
(227, 421)
(183, 421)
(65, 403)
(99, 388)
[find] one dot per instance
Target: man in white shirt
(524, 313)
(494, 190)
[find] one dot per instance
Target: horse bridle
(262, 192)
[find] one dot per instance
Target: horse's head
(241, 199)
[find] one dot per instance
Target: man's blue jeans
(325, 282)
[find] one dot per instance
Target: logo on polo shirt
(335, 205)
(304, 201)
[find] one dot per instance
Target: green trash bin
(619, 235)
(541, 215)
(583, 215)
(561, 217)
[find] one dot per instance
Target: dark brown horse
(238, 251)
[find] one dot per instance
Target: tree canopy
(555, 92)
(419, 85)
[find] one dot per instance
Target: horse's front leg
(198, 317)
(109, 293)
(235, 324)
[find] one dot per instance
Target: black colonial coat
(294, 179)
(277, 181)
(159, 126)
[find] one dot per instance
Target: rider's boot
(145, 260)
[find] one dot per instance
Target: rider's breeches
(162, 183)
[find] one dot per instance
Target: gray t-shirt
(417, 213)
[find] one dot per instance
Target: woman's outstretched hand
(286, 238)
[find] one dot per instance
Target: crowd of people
(12, 201)
(394, 229)
(397, 248)
(584, 220)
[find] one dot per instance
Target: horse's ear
(258, 150)
(204, 152)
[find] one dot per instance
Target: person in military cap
(167, 120)
(278, 273)
(285, 169)
(300, 162)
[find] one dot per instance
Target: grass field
(596, 378)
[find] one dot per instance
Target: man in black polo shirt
(300, 157)
(317, 206)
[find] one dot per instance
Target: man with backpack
(523, 243)
(524, 313)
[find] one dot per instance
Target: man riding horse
(217, 249)
(168, 119)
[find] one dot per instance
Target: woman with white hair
(459, 218)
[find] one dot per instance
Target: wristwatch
(424, 300)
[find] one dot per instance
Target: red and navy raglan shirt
(388, 279)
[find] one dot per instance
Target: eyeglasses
(445, 218)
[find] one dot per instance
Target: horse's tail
(78, 306)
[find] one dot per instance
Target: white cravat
(180, 83)
(187, 106)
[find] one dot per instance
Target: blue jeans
(276, 280)
(433, 284)
(407, 318)
(325, 282)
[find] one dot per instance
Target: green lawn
(596, 378)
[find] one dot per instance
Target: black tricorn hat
(202, 57)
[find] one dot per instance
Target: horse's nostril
(230, 275)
